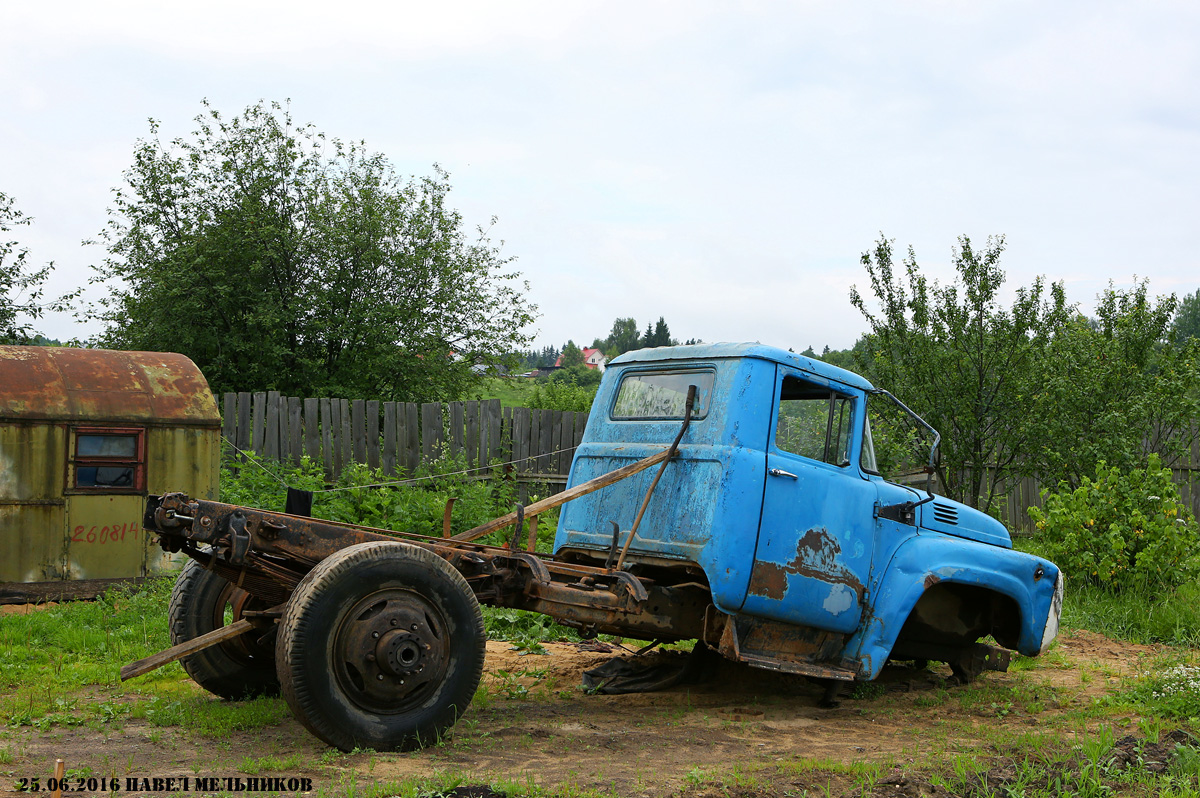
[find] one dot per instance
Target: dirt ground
(739, 728)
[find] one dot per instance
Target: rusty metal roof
(53, 383)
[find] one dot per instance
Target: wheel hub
(390, 651)
(400, 653)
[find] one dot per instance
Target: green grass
(511, 391)
(1140, 616)
(208, 715)
(48, 656)
(61, 667)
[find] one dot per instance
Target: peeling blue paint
(839, 600)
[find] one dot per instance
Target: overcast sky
(723, 165)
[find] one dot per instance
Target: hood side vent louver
(945, 514)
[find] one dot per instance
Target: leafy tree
(579, 374)
(277, 258)
(623, 337)
(1187, 318)
(572, 355)
(960, 359)
(662, 334)
(538, 358)
(1114, 389)
(21, 285)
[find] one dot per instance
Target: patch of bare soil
(749, 731)
(25, 609)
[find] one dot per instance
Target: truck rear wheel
(238, 668)
(380, 646)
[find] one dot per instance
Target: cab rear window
(662, 395)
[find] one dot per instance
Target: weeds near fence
(368, 497)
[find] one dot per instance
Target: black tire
(381, 646)
(237, 668)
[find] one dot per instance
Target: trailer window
(108, 460)
(662, 394)
(814, 422)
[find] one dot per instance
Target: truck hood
(954, 518)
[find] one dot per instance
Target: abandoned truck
(728, 493)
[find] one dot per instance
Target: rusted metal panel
(42, 592)
(176, 457)
(779, 646)
(31, 461)
(106, 539)
(32, 508)
(56, 522)
(56, 383)
(31, 546)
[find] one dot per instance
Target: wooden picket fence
(399, 437)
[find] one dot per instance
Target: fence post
(347, 432)
(412, 438)
(258, 440)
(431, 430)
(294, 429)
(495, 450)
(327, 440)
(373, 433)
(270, 449)
(471, 440)
(312, 431)
(456, 428)
(243, 422)
(389, 438)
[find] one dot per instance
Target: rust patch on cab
(816, 558)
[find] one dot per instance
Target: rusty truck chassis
(264, 555)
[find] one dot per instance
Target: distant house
(592, 358)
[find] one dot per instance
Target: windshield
(897, 443)
(868, 450)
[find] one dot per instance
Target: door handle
(779, 472)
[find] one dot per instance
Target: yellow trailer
(85, 435)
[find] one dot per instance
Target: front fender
(928, 559)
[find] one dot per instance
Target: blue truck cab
(810, 560)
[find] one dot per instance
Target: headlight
(1051, 630)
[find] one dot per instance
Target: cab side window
(813, 422)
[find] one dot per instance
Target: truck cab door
(812, 558)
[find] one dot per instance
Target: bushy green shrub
(1122, 529)
(568, 395)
